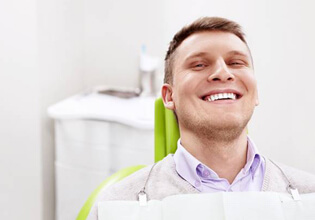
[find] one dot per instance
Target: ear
(167, 96)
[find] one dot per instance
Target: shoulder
(303, 181)
(279, 176)
(160, 180)
(129, 187)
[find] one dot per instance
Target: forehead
(211, 43)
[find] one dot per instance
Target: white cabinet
(94, 142)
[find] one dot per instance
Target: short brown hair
(200, 25)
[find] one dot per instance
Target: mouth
(214, 97)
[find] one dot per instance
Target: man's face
(214, 88)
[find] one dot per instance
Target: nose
(220, 72)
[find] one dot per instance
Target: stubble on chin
(223, 129)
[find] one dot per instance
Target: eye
(198, 66)
(237, 63)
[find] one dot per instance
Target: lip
(216, 91)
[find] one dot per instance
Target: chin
(227, 126)
(223, 131)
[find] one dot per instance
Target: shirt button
(205, 173)
(197, 183)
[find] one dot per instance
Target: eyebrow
(236, 52)
(194, 55)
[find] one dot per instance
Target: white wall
(40, 64)
(60, 25)
(19, 142)
(114, 33)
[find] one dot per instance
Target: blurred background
(53, 50)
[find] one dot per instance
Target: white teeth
(221, 96)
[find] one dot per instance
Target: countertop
(136, 112)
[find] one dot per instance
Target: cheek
(183, 94)
(190, 82)
(184, 84)
(252, 89)
(250, 84)
(249, 81)
(182, 77)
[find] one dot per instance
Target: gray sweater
(164, 181)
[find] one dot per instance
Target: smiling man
(211, 87)
(213, 92)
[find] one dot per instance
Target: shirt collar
(188, 167)
(186, 164)
(253, 157)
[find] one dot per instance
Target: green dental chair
(166, 134)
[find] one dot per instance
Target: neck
(225, 157)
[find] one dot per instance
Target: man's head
(209, 80)
(200, 25)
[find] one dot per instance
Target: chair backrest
(86, 208)
(166, 132)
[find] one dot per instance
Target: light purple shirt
(204, 179)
